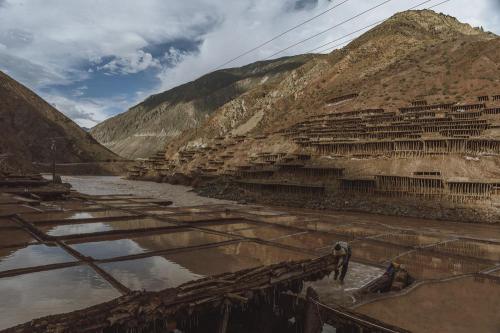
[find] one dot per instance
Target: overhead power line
(349, 34)
(439, 4)
(328, 29)
(378, 22)
(365, 27)
(280, 35)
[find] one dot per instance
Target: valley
(356, 190)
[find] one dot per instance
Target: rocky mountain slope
(413, 55)
(28, 123)
(148, 126)
(405, 120)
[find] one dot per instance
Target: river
(100, 185)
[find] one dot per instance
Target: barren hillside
(416, 54)
(410, 109)
(148, 126)
(28, 124)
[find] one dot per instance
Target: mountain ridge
(144, 128)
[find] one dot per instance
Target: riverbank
(363, 203)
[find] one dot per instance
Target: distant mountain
(28, 124)
(148, 126)
(86, 129)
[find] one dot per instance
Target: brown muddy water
(106, 249)
(31, 256)
(85, 228)
(102, 185)
(153, 260)
(171, 270)
(459, 305)
(35, 295)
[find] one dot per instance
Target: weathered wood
(312, 320)
(137, 310)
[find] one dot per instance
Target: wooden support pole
(224, 321)
(312, 322)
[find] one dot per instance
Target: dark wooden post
(312, 322)
(224, 321)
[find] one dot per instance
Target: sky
(93, 59)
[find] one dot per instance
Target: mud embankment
(358, 203)
(102, 185)
(115, 168)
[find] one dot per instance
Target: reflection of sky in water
(122, 247)
(159, 211)
(266, 212)
(153, 273)
(34, 295)
(33, 255)
(80, 215)
(74, 215)
(109, 249)
(84, 228)
(267, 232)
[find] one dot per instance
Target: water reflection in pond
(32, 255)
(35, 295)
(85, 228)
(374, 252)
(456, 306)
(121, 247)
(152, 273)
(431, 265)
(171, 270)
(12, 236)
(234, 257)
(73, 215)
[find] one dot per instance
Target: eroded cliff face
(28, 123)
(147, 127)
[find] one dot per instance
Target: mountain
(28, 124)
(404, 120)
(413, 55)
(148, 126)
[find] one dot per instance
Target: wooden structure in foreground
(141, 312)
(215, 298)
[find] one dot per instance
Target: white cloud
(86, 112)
(248, 25)
(132, 63)
(61, 35)
(48, 42)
